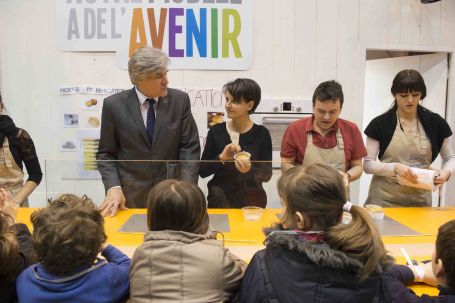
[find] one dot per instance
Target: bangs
(408, 81)
(410, 85)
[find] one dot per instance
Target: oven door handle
(279, 120)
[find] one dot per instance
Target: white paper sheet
(425, 179)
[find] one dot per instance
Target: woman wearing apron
(16, 148)
(408, 135)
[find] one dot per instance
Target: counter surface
(246, 237)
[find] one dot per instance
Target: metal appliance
(276, 115)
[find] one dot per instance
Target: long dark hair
(317, 191)
(177, 205)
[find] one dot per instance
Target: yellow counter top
(246, 237)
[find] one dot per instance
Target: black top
(237, 187)
(21, 147)
(25, 258)
(292, 270)
(436, 128)
(397, 277)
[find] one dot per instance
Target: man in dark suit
(148, 122)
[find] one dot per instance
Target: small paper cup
(242, 155)
(252, 213)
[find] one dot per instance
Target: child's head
(443, 260)
(9, 251)
(177, 205)
(315, 192)
(313, 197)
(68, 234)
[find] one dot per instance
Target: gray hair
(146, 61)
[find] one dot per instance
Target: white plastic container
(252, 213)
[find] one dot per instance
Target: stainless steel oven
(276, 115)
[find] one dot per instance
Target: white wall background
(297, 44)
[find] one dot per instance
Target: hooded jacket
(178, 266)
(291, 269)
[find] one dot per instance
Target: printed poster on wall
(207, 108)
(196, 34)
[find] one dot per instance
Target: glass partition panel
(225, 185)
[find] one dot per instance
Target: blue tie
(150, 119)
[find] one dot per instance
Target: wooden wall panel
(304, 35)
(410, 22)
(349, 52)
(326, 40)
(380, 21)
(430, 23)
(448, 23)
(261, 70)
(283, 48)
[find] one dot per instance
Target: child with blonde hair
(311, 256)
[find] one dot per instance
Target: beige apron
(412, 149)
(330, 156)
(11, 175)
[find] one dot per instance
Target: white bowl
(377, 215)
(375, 211)
(252, 213)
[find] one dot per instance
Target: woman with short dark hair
(406, 136)
(181, 260)
(238, 182)
(16, 147)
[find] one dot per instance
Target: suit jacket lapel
(133, 107)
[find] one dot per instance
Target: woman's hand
(3, 197)
(229, 151)
(8, 207)
(405, 172)
(443, 177)
(243, 165)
